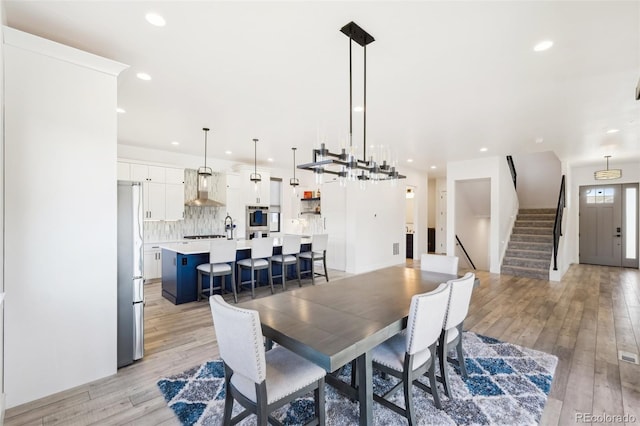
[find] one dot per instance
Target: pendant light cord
(350, 96)
(205, 146)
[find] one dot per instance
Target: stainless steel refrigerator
(130, 276)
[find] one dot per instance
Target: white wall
(473, 221)
(60, 220)
(504, 202)
(538, 179)
(583, 175)
(3, 20)
(431, 203)
(441, 215)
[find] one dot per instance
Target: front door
(609, 225)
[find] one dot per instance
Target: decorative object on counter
(294, 182)
(204, 182)
(608, 173)
(346, 165)
(308, 194)
(255, 176)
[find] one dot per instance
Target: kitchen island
(180, 260)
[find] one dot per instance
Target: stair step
(532, 230)
(525, 272)
(534, 224)
(528, 254)
(537, 211)
(536, 238)
(551, 217)
(546, 247)
(542, 264)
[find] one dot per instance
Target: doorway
(609, 225)
(410, 221)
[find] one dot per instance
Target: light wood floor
(583, 320)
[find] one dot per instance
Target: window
(600, 196)
(275, 217)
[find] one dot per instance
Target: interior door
(608, 225)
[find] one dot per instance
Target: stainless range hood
(204, 183)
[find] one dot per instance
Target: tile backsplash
(197, 220)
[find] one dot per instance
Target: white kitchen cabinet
(163, 189)
(152, 262)
(145, 173)
(124, 171)
(174, 201)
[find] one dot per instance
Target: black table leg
(365, 388)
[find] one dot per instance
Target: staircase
(531, 245)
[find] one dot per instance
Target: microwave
(258, 218)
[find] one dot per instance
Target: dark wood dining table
(333, 323)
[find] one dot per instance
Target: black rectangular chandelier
(345, 164)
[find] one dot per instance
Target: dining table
(334, 323)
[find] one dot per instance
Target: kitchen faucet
(229, 226)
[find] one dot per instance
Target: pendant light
(255, 176)
(346, 164)
(608, 173)
(294, 182)
(204, 182)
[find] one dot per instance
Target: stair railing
(557, 226)
(465, 252)
(512, 168)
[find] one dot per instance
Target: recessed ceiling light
(358, 108)
(143, 76)
(228, 152)
(433, 167)
(270, 160)
(175, 143)
(610, 131)
(120, 110)
(539, 140)
(410, 160)
(155, 19)
(543, 45)
(484, 149)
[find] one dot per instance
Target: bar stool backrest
(319, 242)
(291, 244)
(222, 251)
(261, 248)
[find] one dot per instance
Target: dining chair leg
(313, 274)
(442, 358)
(408, 397)
(319, 402)
(433, 383)
(228, 400)
(298, 270)
(463, 367)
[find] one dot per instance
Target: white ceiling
(444, 78)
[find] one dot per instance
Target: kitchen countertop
(203, 246)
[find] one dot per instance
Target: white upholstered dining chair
(451, 334)
(439, 263)
(260, 381)
(409, 355)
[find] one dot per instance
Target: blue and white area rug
(507, 385)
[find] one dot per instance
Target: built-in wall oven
(257, 221)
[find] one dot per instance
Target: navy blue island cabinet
(179, 275)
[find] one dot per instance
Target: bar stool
(261, 252)
(289, 256)
(318, 252)
(221, 253)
